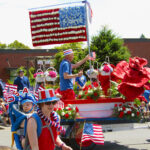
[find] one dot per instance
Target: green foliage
(3, 46)
(31, 78)
(79, 54)
(107, 44)
(17, 45)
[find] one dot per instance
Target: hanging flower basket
(39, 76)
(50, 74)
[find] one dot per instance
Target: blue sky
(126, 18)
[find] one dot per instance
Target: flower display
(127, 111)
(69, 112)
(38, 74)
(90, 92)
(52, 74)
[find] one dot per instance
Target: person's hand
(65, 147)
(80, 73)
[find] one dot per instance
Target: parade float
(109, 101)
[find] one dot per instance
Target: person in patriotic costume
(43, 126)
(66, 76)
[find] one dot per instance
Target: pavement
(135, 139)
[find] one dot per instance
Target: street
(136, 139)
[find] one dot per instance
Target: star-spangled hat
(68, 51)
(47, 95)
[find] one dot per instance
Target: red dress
(45, 140)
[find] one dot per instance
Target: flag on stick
(57, 26)
(93, 132)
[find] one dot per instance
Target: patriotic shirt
(65, 67)
(56, 26)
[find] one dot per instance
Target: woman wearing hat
(43, 127)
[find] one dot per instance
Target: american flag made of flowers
(57, 26)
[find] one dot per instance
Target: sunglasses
(49, 103)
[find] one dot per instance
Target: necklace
(51, 123)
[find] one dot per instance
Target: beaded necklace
(51, 123)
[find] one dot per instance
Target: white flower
(69, 113)
(125, 111)
(119, 109)
(67, 108)
(62, 114)
(132, 114)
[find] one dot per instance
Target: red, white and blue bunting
(57, 26)
(54, 123)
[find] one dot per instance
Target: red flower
(86, 92)
(55, 109)
(120, 105)
(59, 109)
(66, 115)
(90, 86)
(121, 114)
(123, 108)
(135, 105)
(128, 112)
(77, 109)
(95, 94)
(88, 97)
(132, 108)
(116, 105)
(85, 89)
(138, 113)
(79, 96)
(69, 108)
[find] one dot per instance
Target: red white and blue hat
(47, 95)
(68, 51)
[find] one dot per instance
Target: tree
(17, 45)
(142, 36)
(108, 44)
(3, 46)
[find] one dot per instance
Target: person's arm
(32, 134)
(3, 107)
(70, 76)
(61, 144)
(80, 62)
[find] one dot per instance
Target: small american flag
(93, 132)
(57, 26)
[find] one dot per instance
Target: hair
(40, 105)
(1, 100)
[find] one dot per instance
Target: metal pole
(87, 31)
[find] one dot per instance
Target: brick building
(139, 47)
(10, 60)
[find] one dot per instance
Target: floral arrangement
(52, 74)
(68, 112)
(127, 111)
(90, 92)
(38, 74)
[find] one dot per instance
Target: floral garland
(127, 111)
(54, 123)
(69, 112)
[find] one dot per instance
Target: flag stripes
(93, 132)
(53, 26)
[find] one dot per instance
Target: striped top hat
(68, 51)
(47, 95)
